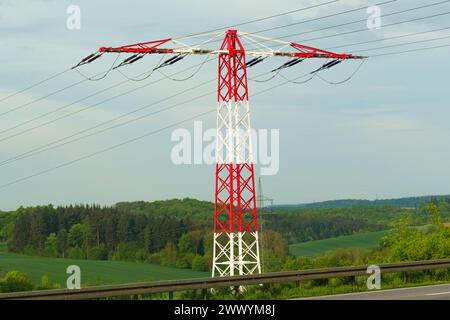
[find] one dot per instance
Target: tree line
(177, 232)
(174, 239)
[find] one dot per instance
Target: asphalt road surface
(436, 292)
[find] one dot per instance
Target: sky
(382, 134)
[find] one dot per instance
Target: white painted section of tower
(234, 253)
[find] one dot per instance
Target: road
(436, 292)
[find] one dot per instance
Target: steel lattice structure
(236, 243)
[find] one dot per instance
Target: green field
(316, 248)
(92, 272)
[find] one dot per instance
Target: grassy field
(316, 248)
(92, 272)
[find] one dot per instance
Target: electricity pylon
(261, 202)
(236, 241)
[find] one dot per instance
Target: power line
(115, 146)
(384, 26)
(320, 77)
(364, 20)
(150, 72)
(320, 18)
(240, 24)
(361, 30)
(34, 85)
(404, 44)
(259, 19)
(278, 73)
(77, 101)
(389, 38)
(189, 35)
(104, 74)
(101, 77)
(311, 76)
(86, 108)
(56, 144)
(346, 23)
(109, 99)
(65, 164)
(190, 76)
(159, 130)
(52, 93)
(410, 51)
(42, 98)
(377, 48)
(311, 20)
(346, 79)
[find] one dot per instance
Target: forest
(177, 232)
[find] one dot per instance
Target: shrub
(140, 255)
(100, 253)
(46, 284)
(126, 251)
(199, 263)
(154, 258)
(76, 253)
(185, 261)
(16, 281)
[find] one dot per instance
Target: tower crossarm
(285, 49)
(303, 52)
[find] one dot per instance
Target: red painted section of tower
(235, 199)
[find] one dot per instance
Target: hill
(174, 208)
(407, 202)
(364, 241)
(92, 272)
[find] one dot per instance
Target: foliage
(126, 251)
(404, 243)
(365, 241)
(7, 220)
(177, 233)
(407, 202)
(200, 263)
(93, 232)
(46, 284)
(169, 255)
(303, 225)
(15, 281)
(175, 208)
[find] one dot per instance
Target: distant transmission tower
(263, 208)
(236, 240)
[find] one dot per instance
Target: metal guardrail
(210, 283)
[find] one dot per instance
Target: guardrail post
(170, 295)
(205, 294)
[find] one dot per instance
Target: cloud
(390, 124)
(397, 94)
(363, 111)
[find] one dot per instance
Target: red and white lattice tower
(236, 247)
